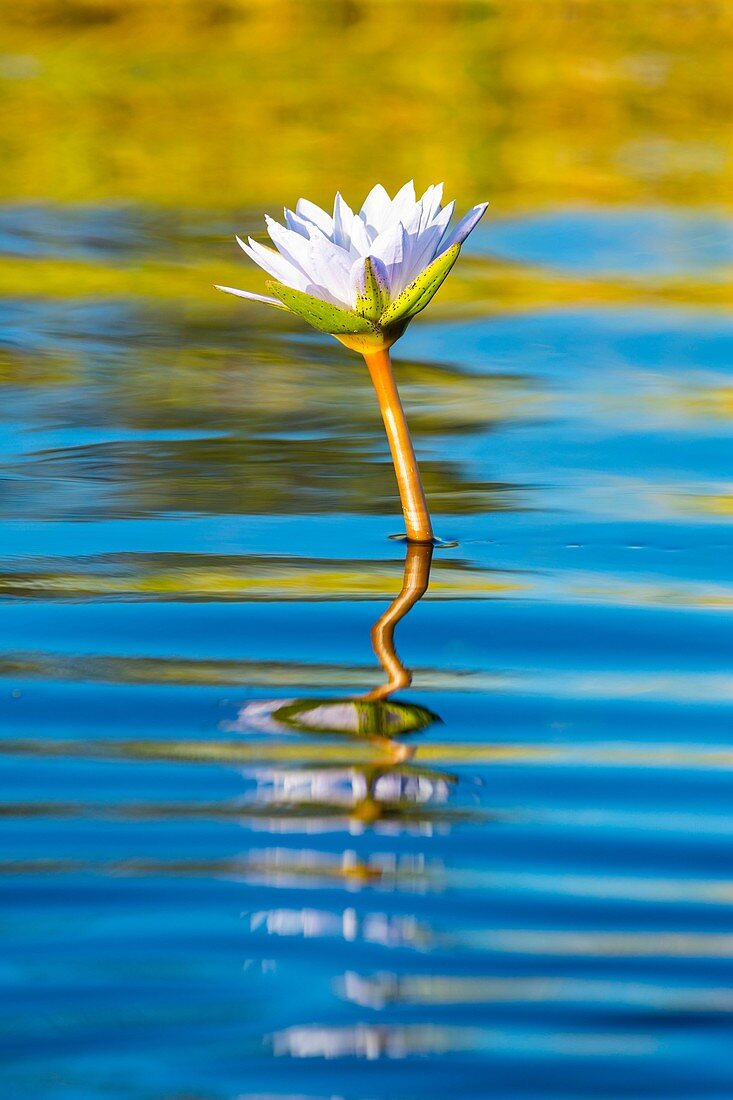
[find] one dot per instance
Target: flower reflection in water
(392, 793)
(391, 796)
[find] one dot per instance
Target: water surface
(243, 858)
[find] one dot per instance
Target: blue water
(532, 899)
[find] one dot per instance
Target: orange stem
(412, 494)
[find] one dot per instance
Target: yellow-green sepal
(372, 296)
(321, 315)
(421, 290)
(379, 339)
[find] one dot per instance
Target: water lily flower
(362, 278)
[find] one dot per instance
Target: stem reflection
(414, 586)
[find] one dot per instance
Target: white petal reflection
(385, 929)
(386, 871)
(374, 1042)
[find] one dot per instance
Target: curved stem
(412, 494)
(414, 586)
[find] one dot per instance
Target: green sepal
(322, 315)
(370, 303)
(366, 343)
(421, 290)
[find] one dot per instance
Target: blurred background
(238, 104)
(222, 879)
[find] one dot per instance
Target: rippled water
(226, 875)
(244, 858)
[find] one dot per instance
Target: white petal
(361, 238)
(391, 248)
(356, 278)
(424, 204)
(465, 226)
(404, 203)
(252, 297)
(436, 198)
(375, 209)
(303, 227)
(296, 223)
(292, 246)
(314, 214)
(330, 267)
(443, 217)
(343, 216)
(274, 264)
(388, 245)
(422, 252)
(418, 249)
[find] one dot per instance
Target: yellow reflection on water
(176, 101)
(431, 989)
